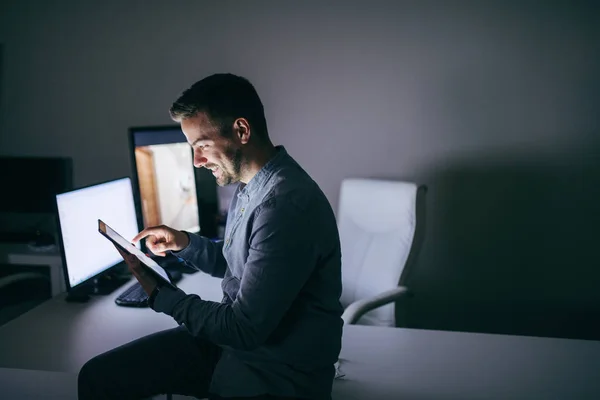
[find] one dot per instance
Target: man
(277, 331)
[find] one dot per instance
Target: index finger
(144, 233)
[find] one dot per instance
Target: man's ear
(241, 128)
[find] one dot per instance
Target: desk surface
(61, 336)
(382, 363)
(394, 363)
(37, 385)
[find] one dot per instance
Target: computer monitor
(28, 197)
(86, 254)
(164, 179)
(31, 183)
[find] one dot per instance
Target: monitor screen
(86, 253)
(33, 183)
(165, 179)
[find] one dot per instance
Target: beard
(230, 173)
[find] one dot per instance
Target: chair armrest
(7, 280)
(360, 307)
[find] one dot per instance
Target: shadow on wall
(511, 247)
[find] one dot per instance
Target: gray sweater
(279, 322)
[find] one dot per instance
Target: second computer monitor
(86, 253)
(165, 179)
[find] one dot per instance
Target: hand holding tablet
(150, 265)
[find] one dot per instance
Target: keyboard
(134, 295)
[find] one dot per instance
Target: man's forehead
(199, 120)
(198, 128)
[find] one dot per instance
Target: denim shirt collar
(258, 181)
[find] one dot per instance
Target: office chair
(381, 225)
(20, 277)
(20, 292)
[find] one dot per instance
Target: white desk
(37, 385)
(411, 364)
(379, 363)
(61, 336)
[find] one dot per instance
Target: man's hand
(143, 277)
(160, 239)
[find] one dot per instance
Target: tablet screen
(113, 236)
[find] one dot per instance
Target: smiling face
(222, 154)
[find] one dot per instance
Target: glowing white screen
(87, 253)
(129, 247)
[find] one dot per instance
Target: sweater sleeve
(204, 254)
(280, 261)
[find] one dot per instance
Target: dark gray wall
(492, 105)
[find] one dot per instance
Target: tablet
(124, 245)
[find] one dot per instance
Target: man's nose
(199, 159)
(200, 162)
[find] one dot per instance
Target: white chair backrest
(376, 221)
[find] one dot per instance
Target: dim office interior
(489, 108)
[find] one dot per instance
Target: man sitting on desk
(277, 332)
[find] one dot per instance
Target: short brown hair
(224, 98)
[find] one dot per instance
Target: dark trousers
(171, 361)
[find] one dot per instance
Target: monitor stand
(102, 285)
